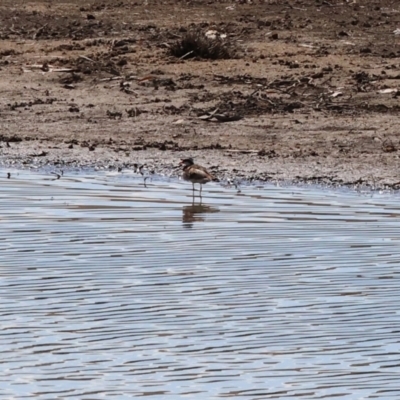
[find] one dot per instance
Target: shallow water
(109, 289)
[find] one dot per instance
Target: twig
(114, 78)
(227, 118)
(49, 68)
(185, 55)
(38, 66)
(14, 31)
(62, 70)
(39, 31)
(243, 151)
(87, 59)
(209, 115)
(252, 94)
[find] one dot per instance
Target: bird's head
(186, 162)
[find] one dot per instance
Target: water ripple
(110, 289)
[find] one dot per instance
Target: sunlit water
(110, 290)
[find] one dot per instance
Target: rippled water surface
(111, 290)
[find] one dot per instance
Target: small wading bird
(196, 173)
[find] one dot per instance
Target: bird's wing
(197, 172)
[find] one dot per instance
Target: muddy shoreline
(224, 165)
(310, 95)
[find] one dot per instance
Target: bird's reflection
(195, 213)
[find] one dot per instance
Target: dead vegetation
(195, 43)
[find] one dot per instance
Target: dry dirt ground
(308, 93)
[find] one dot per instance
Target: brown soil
(309, 94)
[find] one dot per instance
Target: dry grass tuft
(195, 44)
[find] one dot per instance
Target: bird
(196, 173)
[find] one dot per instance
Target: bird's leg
(201, 188)
(193, 189)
